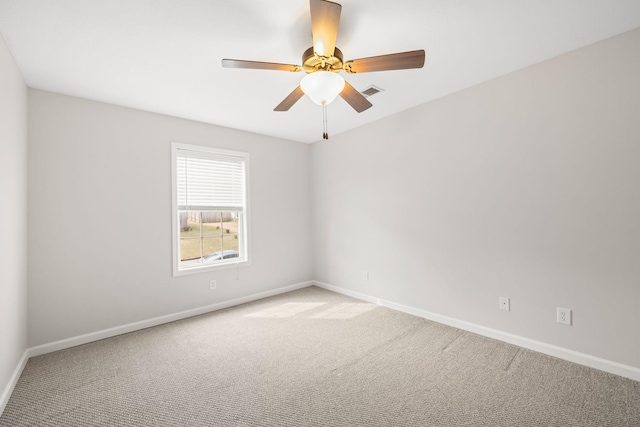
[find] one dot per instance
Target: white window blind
(207, 181)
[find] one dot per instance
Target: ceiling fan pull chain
(325, 135)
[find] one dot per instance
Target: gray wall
(100, 216)
(13, 215)
(526, 186)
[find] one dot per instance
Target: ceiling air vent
(371, 90)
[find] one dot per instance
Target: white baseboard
(541, 347)
(131, 327)
(6, 393)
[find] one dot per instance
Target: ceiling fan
(323, 61)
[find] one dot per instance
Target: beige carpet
(313, 358)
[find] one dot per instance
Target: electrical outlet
(212, 285)
(505, 304)
(365, 275)
(564, 316)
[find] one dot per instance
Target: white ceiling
(164, 55)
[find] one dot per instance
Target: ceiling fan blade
(394, 61)
(325, 18)
(355, 98)
(255, 65)
(291, 99)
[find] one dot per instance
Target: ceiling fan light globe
(322, 86)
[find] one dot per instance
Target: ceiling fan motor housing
(313, 62)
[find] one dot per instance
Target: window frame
(175, 229)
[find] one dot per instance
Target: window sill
(209, 268)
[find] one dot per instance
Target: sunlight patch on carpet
(286, 310)
(344, 311)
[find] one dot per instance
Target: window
(210, 209)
